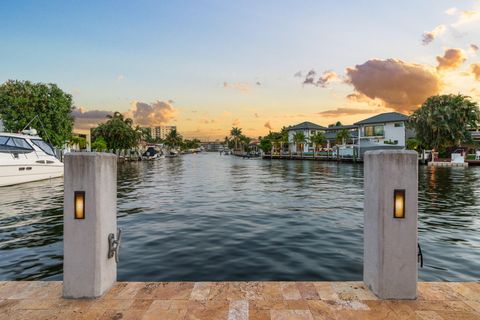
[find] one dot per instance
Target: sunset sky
(206, 66)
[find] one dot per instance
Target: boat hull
(16, 174)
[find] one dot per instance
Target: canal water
(211, 217)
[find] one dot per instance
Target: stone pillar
(87, 270)
(390, 244)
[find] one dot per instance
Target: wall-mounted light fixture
(79, 204)
(399, 203)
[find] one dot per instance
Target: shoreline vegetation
(442, 124)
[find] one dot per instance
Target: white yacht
(26, 157)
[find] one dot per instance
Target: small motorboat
(152, 153)
(26, 157)
(171, 154)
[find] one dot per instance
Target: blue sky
(206, 65)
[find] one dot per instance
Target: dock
(312, 158)
(447, 164)
(239, 301)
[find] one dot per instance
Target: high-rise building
(161, 131)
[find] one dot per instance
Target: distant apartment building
(161, 131)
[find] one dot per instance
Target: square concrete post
(87, 270)
(390, 244)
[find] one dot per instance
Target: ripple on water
(211, 217)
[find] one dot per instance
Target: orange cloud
(429, 36)
(397, 84)
(322, 81)
(207, 121)
(240, 86)
(151, 114)
(86, 119)
(267, 125)
(475, 68)
(452, 59)
(346, 112)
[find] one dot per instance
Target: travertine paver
(239, 301)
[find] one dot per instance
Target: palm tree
(342, 136)
(245, 142)
(299, 139)
(226, 142)
(318, 139)
(276, 141)
(284, 135)
(236, 133)
(118, 132)
(81, 142)
(173, 138)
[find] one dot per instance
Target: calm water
(207, 217)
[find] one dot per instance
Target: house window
(373, 131)
(398, 124)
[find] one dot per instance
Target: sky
(206, 66)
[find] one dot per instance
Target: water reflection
(208, 217)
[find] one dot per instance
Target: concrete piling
(390, 240)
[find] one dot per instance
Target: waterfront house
(332, 132)
(383, 131)
(308, 129)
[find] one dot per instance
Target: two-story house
(383, 131)
(308, 129)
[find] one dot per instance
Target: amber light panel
(399, 204)
(79, 205)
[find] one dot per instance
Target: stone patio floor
(239, 301)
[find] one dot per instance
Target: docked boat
(152, 153)
(25, 158)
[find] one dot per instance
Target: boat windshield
(44, 146)
(14, 143)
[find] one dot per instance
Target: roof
(348, 127)
(306, 126)
(384, 117)
(333, 135)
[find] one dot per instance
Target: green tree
(99, 144)
(236, 133)
(336, 124)
(191, 144)
(146, 135)
(265, 144)
(318, 139)
(276, 139)
(118, 132)
(299, 139)
(81, 142)
(245, 142)
(173, 139)
(22, 101)
(413, 144)
(342, 136)
(443, 121)
(229, 143)
(284, 134)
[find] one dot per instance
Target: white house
(308, 129)
(383, 131)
